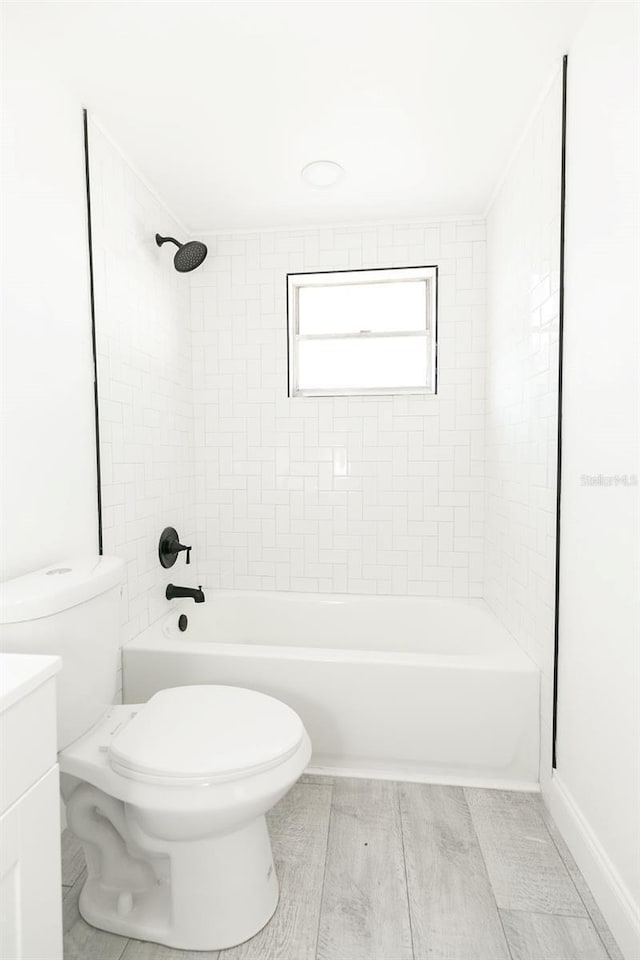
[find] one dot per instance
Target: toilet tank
(72, 609)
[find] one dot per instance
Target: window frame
(333, 278)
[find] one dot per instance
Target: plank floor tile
(319, 778)
(581, 886)
(299, 827)
(365, 912)
(72, 858)
(141, 950)
(524, 866)
(540, 936)
(82, 941)
(453, 910)
(374, 870)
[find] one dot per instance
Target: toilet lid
(204, 733)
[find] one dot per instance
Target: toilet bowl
(168, 797)
(169, 800)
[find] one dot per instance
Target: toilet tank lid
(58, 587)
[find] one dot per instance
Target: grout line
(324, 872)
(499, 912)
(545, 913)
(570, 916)
(406, 874)
(124, 949)
(590, 917)
(486, 870)
(540, 813)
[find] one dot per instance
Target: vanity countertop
(20, 673)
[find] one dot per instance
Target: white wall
(366, 495)
(144, 381)
(599, 668)
(523, 240)
(48, 447)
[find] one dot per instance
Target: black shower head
(189, 256)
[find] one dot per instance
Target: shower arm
(160, 240)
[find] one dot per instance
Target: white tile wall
(366, 495)
(523, 232)
(144, 381)
(388, 495)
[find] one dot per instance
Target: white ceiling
(220, 105)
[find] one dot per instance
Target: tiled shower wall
(365, 495)
(387, 495)
(523, 230)
(144, 381)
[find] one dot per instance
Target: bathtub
(404, 688)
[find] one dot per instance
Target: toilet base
(217, 893)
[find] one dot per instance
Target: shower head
(189, 256)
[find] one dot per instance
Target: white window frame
(295, 281)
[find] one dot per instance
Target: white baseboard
(614, 899)
(410, 775)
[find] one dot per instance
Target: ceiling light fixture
(322, 173)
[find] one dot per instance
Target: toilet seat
(170, 798)
(200, 735)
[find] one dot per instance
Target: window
(362, 332)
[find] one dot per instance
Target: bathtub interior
(449, 628)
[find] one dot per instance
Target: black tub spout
(174, 593)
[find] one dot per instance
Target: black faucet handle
(179, 547)
(170, 547)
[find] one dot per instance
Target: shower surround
(447, 496)
(363, 495)
(375, 495)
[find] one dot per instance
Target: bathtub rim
(502, 660)
(506, 655)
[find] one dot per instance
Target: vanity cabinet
(30, 882)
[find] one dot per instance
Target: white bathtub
(406, 688)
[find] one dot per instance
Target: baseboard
(611, 894)
(410, 775)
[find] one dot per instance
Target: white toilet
(168, 797)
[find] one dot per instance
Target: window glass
(351, 363)
(352, 308)
(362, 331)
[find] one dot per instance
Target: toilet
(167, 797)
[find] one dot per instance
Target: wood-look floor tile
(453, 910)
(581, 886)
(449, 845)
(541, 936)
(524, 866)
(365, 913)
(142, 950)
(319, 778)
(82, 941)
(298, 827)
(72, 858)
